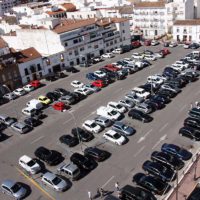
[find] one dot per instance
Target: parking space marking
(106, 183)
(182, 108)
(35, 184)
(159, 141)
(67, 121)
(140, 150)
(163, 127)
(144, 137)
(37, 139)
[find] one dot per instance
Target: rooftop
(3, 44)
(188, 22)
(27, 55)
(69, 7)
(148, 4)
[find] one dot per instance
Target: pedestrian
(117, 186)
(101, 192)
(191, 105)
(89, 195)
(196, 103)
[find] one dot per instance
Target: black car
(52, 96)
(139, 115)
(61, 91)
(194, 113)
(50, 77)
(31, 121)
(82, 161)
(72, 70)
(149, 87)
(159, 104)
(162, 98)
(151, 183)
(175, 83)
(177, 151)
(159, 170)
(168, 93)
(167, 160)
(129, 192)
(82, 134)
(192, 122)
(190, 77)
(69, 140)
(96, 153)
(51, 157)
(3, 101)
(190, 132)
(78, 96)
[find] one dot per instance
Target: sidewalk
(187, 185)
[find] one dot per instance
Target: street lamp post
(176, 184)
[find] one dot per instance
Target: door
(77, 61)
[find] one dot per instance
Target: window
(61, 57)
(89, 46)
(120, 39)
(66, 44)
(82, 49)
(26, 72)
(177, 30)
(123, 31)
(124, 38)
(111, 43)
(70, 53)
(76, 52)
(75, 41)
(107, 44)
(115, 41)
(39, 67)
(71, 63)
(28, 79)
(96, 46)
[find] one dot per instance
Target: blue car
(92, 77)
(177, 151)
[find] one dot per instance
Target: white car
(29, 164)
(77, 84)
(137, 56)
(186, 46)
(128, 60)
(116, 106)
(154, 42)
(179, 68)
(117, 65)
(54, 181)
(161, 77)
(173, 44)
(150, 57)
(155, 79)
(117, 51)
(28, 88)
(179, 62)
(83, 91)
(108, 55)
(10, 96)
(140, 92)
(100, 74)
(114, 137)
(91, 126)
(108, 113)
(139, 64)
(29, 111)
(19, 92)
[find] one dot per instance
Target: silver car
(67, 99)
(13, 189)
(54, 181)
(171, 88)
(20, 127)
(91, 87)
(134, 98)
(8, 121)
(127, 103)
(103, 121)
(123, 129)
(145, 108)
(10, 96)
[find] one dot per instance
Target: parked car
(19, 92)
(154, 42)
(117, 51)
(96, 154)
(45, 100)
(166, 92)
(157, 169)
(103, 121)
(195, 113)
(10, 96)
(116, 106)
(96, 59)
(54, 181)
(83, 161)
(53, 96)
(60, 106)
(28, 88)
(29, 164)
(139, 115)
(123, 129)
(69, 140)
(136, 44)
(8, 121)
(173, 44)
(127, 103)
(140, 92)
(192, 122)
(151, 183)
(13, 189)
(135, 193)
(20, 127)
(171, 88)
(91, 126)
(32, 121)
(82, 134)
(35, 83)
(108, 55)
(177, 151)
(99, 83)
(72, 70)
(68, 99)
(167, 159)
(137, 56)
(144, 107)
(114, 137)
(134, 98)
(99, 74)
(91, 88)
(51, 157)
(50, 77)
(190, 132)
(83, 91)
(76, 84)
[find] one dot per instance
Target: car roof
(89, 122)
(25, 158)
(19, 124)
(138, 89)
(111, 132)
(70, 167)
(49, 175)
(8, 183)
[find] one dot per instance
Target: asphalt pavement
(125, 160)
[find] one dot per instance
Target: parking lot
(125, 160)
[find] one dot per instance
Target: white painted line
(29, 95)
(37, 139)
(182, 108)
(159, 141)
(67, 121)
(163, 127)
(141, 139)
(144, 137)
(140, 150)
(148, 133)
(107, 182)
(156, 144)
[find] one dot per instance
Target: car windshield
(31, 163)
(93, 125)
(124, 127)
(118, 106)
(15, 188)
(116, 136)
(44, 99)
(8, 119)
(113, 112)
(56, 181)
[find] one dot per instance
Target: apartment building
(187, 30)
(6, 6)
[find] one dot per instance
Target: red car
(111, 68)
(165, 51)
(60, 106)
(147, 42)
(35, 83)
(136, 44)
(99, 83)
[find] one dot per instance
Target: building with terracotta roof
(187, 30)
(156, 18)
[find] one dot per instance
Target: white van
(34, 103)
